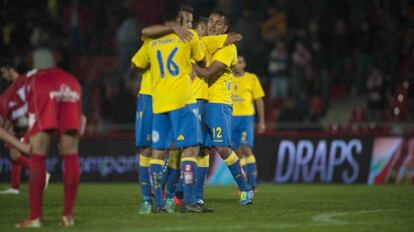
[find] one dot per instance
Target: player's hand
(25, 148)
(184, 34)
(261, 127)
(193, 75)
(196, 69)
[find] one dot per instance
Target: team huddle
(195, 100)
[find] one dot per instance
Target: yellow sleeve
(141, 58)
(226, 55)
(197, 53)
(214, 42)
(257, 88)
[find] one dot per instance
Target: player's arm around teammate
(169, 60)
(171, 180)
(219, 107)
(155, 31)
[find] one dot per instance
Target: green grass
(114, 207)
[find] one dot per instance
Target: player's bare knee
(195, 151)
(145, 151)
(247, 151)
(190, 151)
(224, 152)
(204, 152)
(40, 143)
(158, 154)
(69, 143)
(239, 152)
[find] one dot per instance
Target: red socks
(71, 174)
(16, 168)
(24, 161)
(36, 185)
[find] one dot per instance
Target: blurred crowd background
(341, 64)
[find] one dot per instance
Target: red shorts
(54, 103)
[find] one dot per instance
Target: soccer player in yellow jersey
(143, 130)
(173, 182)
(210, 44)
(246, 92)
(218, 110)
(169, 60)
(171, 172)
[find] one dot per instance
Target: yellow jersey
(245, 90)
(219, 86)
(146, 82)
(200, 88)
(170, 70)
(209, 44)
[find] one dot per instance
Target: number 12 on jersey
(172, 67)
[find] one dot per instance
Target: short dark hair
(170, 9)
(223, 14)
(200, 20)
(7, 62)
(187, 8)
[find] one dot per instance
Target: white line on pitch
(330, 218)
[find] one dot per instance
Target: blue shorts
(181, 126)
(143, 121)
(198, 109)
(218, 123)
(242, 131)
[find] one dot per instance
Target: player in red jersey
(13, 109)
(54, 105)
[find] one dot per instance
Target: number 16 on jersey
(172, 67)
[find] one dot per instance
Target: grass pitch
(114, 207)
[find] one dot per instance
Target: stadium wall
(280, 159)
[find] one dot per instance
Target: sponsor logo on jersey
(65, 94)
